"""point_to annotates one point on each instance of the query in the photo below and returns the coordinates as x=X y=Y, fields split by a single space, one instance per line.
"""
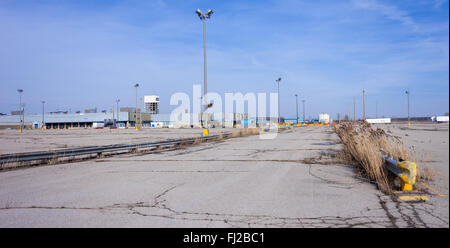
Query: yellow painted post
x=410 y=178
x=406 y=187
x=205 y=132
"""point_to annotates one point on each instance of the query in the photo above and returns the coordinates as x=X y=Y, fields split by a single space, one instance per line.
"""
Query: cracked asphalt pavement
x=240 y=182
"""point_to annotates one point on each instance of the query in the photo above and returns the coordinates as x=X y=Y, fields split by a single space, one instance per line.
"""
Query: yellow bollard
x=205 y=132
x=409 y=178
x=406 y=187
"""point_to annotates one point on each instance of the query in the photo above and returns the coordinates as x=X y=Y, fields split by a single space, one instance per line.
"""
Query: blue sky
x=83 y=54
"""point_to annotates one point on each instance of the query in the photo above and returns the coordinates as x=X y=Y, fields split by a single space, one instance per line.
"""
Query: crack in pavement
x=329 y=181
x=407 y=214
x=234 y=220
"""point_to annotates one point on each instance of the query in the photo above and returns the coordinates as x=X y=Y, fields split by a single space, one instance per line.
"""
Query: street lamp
x=407 y=93
x=364 y=104
x=43 y=120
x=117 y=102
x=203 y=17
x=303 y=101
x=278 y=83
x=296 y=105
x=20 y=108
x=135 y=116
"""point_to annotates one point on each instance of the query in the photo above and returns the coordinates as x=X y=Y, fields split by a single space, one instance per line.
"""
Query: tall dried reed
x=365 y=147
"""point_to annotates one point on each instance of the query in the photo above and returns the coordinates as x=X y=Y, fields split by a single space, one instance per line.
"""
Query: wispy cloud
x=387 y=10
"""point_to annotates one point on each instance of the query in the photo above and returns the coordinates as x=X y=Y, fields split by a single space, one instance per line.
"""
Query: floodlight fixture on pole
x=135 y=116
x=364 y=104
x=20 y=109
x=203 y=17
x=43 y=119
x=407 y=93
x=117 y=102
x=278 y=80
x=303 y=101
x=296 y=106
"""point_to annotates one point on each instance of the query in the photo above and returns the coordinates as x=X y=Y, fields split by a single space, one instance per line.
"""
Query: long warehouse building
x=65 y=121
x=104 y=119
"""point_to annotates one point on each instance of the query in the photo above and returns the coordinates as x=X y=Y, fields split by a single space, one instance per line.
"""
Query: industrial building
x=151 y=104
x=62 y=121
x=124 y=119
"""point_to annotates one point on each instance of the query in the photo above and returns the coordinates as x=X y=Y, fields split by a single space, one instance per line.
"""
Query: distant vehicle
x=440 y=118
x=379 y=120
x=324 y=118
x=98 y=125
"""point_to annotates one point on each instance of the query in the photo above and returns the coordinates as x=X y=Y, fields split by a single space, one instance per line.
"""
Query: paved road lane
x=241 y=182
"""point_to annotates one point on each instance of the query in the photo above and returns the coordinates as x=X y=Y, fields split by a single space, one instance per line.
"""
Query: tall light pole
x=203 y=17
x=117 y=102
x=135 y=117
x=43 y=120
x=303 y=101
x=278 y=84
x=296 y=105
x=376 y=109
x=20 y=109
x=407 y=93
x=140 y=114
x=364 y=105
x=354 y=108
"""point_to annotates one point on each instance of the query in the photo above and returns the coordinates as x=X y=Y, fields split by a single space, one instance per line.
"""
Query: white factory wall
x=64 y=118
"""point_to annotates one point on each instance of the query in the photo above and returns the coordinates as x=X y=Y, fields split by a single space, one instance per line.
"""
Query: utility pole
x=118 y=111
x=303 y=101
x=140 y=114
x=354 y=108
x=203 y=17
x=43 y=120
x=136 y=116
x=364 y=105
x=376 y=109
x=278 y=83
x=407 y=93
x=296 y=105
x=20 y=109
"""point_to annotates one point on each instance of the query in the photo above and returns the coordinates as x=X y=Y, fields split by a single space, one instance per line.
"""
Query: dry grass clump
x=249 y=131
x=196 y=141
x=426 y=173
x=364 y=146
x=244 y=132
x=235 y=133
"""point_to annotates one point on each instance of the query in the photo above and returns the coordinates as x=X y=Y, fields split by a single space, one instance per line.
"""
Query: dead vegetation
x=364 y=146
x=244 y=132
